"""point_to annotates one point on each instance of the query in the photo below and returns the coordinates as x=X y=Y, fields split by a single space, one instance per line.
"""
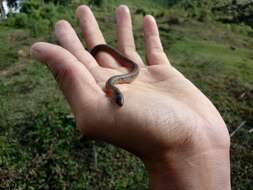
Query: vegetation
x=236 y=12
x=39 y=145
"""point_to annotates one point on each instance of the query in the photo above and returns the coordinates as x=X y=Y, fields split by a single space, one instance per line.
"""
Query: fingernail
x=150 y=17
x=35 y=52
x=124 y=8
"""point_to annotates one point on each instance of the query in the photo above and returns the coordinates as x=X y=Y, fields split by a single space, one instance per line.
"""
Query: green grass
x=39 y=146
x=8 y=44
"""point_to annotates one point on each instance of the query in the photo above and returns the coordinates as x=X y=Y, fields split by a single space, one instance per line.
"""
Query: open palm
x=162 y=110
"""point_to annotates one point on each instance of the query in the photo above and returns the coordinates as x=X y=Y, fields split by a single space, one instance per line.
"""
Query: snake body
x=110 y=88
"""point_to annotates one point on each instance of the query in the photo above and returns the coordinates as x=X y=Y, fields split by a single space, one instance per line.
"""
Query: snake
x=110 y=89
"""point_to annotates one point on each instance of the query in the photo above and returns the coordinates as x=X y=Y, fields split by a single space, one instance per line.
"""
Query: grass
x=39 y=146
x=7 y=50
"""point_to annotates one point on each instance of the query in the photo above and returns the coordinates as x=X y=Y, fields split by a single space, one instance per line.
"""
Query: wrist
x=202 y=171
x=191 y=168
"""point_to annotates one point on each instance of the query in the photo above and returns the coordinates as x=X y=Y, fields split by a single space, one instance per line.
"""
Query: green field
x=39 y=145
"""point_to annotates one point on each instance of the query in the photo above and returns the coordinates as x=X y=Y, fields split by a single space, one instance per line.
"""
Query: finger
x=89 y=27
x=74 y=79
x=70 y=41
x=125 y=34
x=92 y=35
x=153 y=46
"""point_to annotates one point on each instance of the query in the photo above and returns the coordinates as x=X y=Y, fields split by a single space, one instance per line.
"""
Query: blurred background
x=209 y=41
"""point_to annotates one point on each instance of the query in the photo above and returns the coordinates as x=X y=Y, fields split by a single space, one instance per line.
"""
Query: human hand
x=165 y=120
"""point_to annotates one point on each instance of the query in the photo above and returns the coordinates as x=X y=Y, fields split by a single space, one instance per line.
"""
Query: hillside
x=39 y=145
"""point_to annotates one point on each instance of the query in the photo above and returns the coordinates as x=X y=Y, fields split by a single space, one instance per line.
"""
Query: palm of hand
x=162 y=108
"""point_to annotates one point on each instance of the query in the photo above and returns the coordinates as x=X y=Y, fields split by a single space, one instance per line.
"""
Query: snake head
x=119 y=99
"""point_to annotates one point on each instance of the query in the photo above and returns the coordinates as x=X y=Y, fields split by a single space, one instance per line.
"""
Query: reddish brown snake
x=110 y=88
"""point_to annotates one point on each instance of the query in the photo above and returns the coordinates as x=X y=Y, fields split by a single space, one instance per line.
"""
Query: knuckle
x=63 y=73
x=80 y=53
x=129 y=52
x=128 y=49
x=157 y=57
x=62 y=23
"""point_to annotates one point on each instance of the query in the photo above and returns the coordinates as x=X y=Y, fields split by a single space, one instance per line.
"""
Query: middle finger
x=125 y=35
x=93 y=36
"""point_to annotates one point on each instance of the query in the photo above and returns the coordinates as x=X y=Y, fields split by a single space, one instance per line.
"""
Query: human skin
x=166 y=121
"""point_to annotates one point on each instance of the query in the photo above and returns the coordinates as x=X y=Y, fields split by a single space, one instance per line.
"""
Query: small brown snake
x=110 y=88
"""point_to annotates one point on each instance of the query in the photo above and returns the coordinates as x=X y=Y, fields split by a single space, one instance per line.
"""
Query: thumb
x=78 y=85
